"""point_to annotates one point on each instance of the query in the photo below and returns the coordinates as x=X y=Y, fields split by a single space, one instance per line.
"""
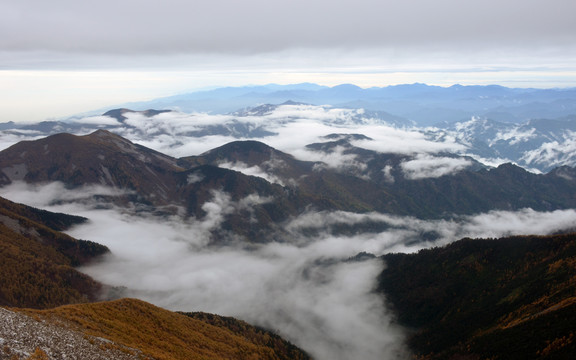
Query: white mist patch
x=195 y=177
x=553 y=153
x=409 y=141
x=515 y=136
x=179 y=145
x=251 y=171
x=407 y=234
x=336 y=159
x=428 y=166
x=309 y=295
x=11 y=137
x=46 y=195
x=97 y=120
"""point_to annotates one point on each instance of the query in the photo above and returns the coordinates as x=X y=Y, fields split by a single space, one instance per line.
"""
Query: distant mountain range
x=533 y=128
x=423 y=104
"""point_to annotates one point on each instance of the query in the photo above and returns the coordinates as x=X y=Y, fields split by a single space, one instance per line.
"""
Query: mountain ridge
x=280 y=186
x=456 y=102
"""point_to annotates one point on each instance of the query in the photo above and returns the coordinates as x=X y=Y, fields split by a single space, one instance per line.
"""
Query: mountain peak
x=242 y=148
x=103 y=134
x=101 y=137
x=291 y=102
x=347 y=87
x=101 y=157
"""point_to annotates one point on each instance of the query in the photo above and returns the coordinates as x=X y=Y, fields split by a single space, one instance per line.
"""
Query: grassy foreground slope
x=509 y=298
x=163 y=334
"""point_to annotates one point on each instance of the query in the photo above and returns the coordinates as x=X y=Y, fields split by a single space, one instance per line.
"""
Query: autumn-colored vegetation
x=511 y=298
x=163 y=334
x=55 y=221
x=38 y=354
x=36 y=262
x=257 y=335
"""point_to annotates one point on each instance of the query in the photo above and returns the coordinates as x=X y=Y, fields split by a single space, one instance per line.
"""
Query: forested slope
x=510 y=298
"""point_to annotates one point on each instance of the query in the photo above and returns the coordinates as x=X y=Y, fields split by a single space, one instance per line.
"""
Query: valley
x=337 y=229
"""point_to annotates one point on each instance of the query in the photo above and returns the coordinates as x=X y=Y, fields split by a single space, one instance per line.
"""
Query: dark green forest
x=509 y=298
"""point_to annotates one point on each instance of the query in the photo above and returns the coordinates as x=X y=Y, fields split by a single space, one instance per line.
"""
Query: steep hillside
x=306 y=182
x=37 y=262
x=510 y=298
x=366 y=180
x=55 y=221
x=507 y=187
x=258 y=336
x=250 y=154
x=100 y=158
x=162 y=334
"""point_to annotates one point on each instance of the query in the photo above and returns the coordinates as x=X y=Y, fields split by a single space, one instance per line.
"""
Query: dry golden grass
x=157 y=332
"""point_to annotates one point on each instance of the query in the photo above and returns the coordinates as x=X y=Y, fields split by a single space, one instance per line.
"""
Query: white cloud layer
x=294 y=126
x=9 y=138
x=97 y=120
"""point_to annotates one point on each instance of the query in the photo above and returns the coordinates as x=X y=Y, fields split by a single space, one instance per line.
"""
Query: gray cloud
x=108 y=30
x=158 y=26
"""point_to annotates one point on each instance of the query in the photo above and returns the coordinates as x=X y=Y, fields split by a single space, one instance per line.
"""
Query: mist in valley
x=315 y=280
x=309 y=286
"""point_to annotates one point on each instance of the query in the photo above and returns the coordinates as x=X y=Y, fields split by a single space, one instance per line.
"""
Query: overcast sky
x=60 y=57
